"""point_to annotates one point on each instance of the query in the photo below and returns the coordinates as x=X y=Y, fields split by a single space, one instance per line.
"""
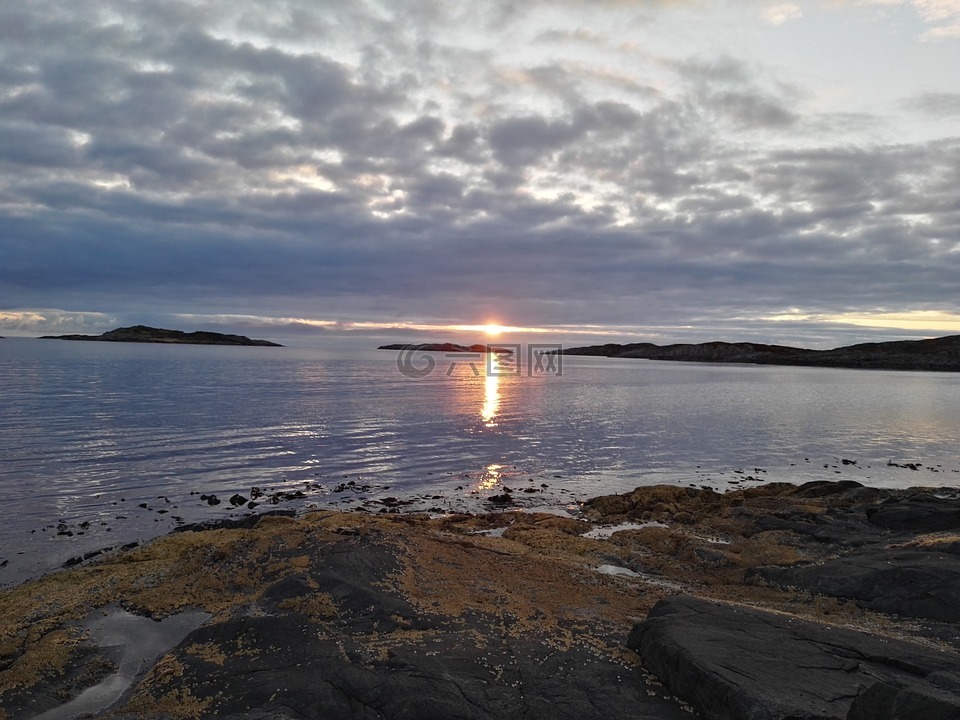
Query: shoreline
x=124 y=519
x=497 y=596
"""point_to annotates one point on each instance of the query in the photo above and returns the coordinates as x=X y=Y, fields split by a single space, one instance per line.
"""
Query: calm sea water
x=102 y=444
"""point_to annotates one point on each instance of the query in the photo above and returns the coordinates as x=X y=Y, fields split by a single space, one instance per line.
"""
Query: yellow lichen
x=208 y=652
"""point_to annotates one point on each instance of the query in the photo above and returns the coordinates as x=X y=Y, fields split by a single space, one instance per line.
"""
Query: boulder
x=737 y=663
x=915 y=583
x=905 y=701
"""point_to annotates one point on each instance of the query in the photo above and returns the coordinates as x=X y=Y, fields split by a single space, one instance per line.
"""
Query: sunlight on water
x=489 y=478
x=491 y=399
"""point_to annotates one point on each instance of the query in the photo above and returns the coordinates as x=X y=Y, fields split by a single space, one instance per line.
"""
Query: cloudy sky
x=610 y=170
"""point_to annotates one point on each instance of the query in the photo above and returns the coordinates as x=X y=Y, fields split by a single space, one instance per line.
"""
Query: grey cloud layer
x=343 y=163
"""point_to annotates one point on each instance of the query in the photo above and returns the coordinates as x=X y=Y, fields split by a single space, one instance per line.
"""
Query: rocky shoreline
x=825 y=600
x=934 y=354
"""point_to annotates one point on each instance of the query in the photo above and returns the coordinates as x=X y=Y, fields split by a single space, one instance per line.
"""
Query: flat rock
x=915 y=583
x=918 y=513
x=398 y=618
x=736 y=663
x=905 y=700
x=369 y=653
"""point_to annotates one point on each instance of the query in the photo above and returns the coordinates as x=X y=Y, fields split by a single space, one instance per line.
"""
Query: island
x=447 y=348
x=144 y=334
x=942 y=354
x=829 y=600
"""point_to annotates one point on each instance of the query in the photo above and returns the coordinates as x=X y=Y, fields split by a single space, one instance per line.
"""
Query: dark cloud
x=940 y=105
x=302 y=161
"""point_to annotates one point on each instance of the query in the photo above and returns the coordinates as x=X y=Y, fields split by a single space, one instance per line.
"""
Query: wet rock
x=246 y=523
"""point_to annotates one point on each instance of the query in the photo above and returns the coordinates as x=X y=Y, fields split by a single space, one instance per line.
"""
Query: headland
x=938 y=354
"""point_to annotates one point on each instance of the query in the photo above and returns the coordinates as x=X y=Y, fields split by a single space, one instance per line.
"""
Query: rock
x=920 y=513
x=915 y=583
x=930 y=354
x=248 y=522
x=905 y=700
x=737 y=663
x=144 y=334
x=446 y=348
x=334 y=640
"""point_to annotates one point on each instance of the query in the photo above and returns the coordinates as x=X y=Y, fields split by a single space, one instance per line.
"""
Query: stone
x=915 y=583
x=737 y=663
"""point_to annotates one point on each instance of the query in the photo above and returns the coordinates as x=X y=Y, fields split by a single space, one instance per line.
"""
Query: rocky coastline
x=144 y=334
x=773 y=601
x=935 y=354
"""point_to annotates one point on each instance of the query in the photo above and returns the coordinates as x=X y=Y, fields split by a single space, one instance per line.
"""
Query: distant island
x=942 y=354
x=144 y=334
x=447 y=347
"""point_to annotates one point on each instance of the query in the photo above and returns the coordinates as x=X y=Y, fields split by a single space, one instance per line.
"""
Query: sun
x=492 y=329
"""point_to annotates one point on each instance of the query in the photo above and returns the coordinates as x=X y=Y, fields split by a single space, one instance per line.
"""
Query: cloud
x=55 y=321
x=301 y=164
x=782 y=13
x=942 y=15
x=937 y=105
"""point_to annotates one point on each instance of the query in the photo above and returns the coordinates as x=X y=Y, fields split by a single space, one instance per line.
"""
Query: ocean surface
x=104 y=444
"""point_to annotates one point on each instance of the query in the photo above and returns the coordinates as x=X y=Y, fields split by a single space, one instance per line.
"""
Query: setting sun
x=492 y=329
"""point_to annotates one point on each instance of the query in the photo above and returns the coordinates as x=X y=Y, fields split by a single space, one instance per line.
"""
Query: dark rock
x=244 y=523
x=915 y=583
x=238 y=499
x=941 y=354
x=921 y=513
x=738 y=663
x=446 y=348
x=144 y=334
x=287 y=667
x=381 y=657
x=904 y=700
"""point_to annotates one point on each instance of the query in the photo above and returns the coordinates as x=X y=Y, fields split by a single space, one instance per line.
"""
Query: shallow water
x=90 y=432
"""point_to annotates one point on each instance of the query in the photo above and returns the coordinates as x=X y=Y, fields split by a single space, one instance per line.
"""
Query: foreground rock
x=738 y=663
x=511 y=615
x=340 y=616
x=144 y=334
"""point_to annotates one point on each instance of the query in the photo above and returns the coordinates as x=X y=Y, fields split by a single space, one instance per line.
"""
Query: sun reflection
x=491 y=399
x=490 y=477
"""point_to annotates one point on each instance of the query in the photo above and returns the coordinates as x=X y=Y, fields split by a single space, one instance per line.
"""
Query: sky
x=578 y=172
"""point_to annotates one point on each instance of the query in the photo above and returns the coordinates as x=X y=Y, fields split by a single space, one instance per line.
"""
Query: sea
x=103 y=445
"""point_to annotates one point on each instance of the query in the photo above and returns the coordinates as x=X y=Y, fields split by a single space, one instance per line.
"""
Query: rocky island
x=829 y=600
x=144 y=334
x=941 y=354
x=446 y=348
